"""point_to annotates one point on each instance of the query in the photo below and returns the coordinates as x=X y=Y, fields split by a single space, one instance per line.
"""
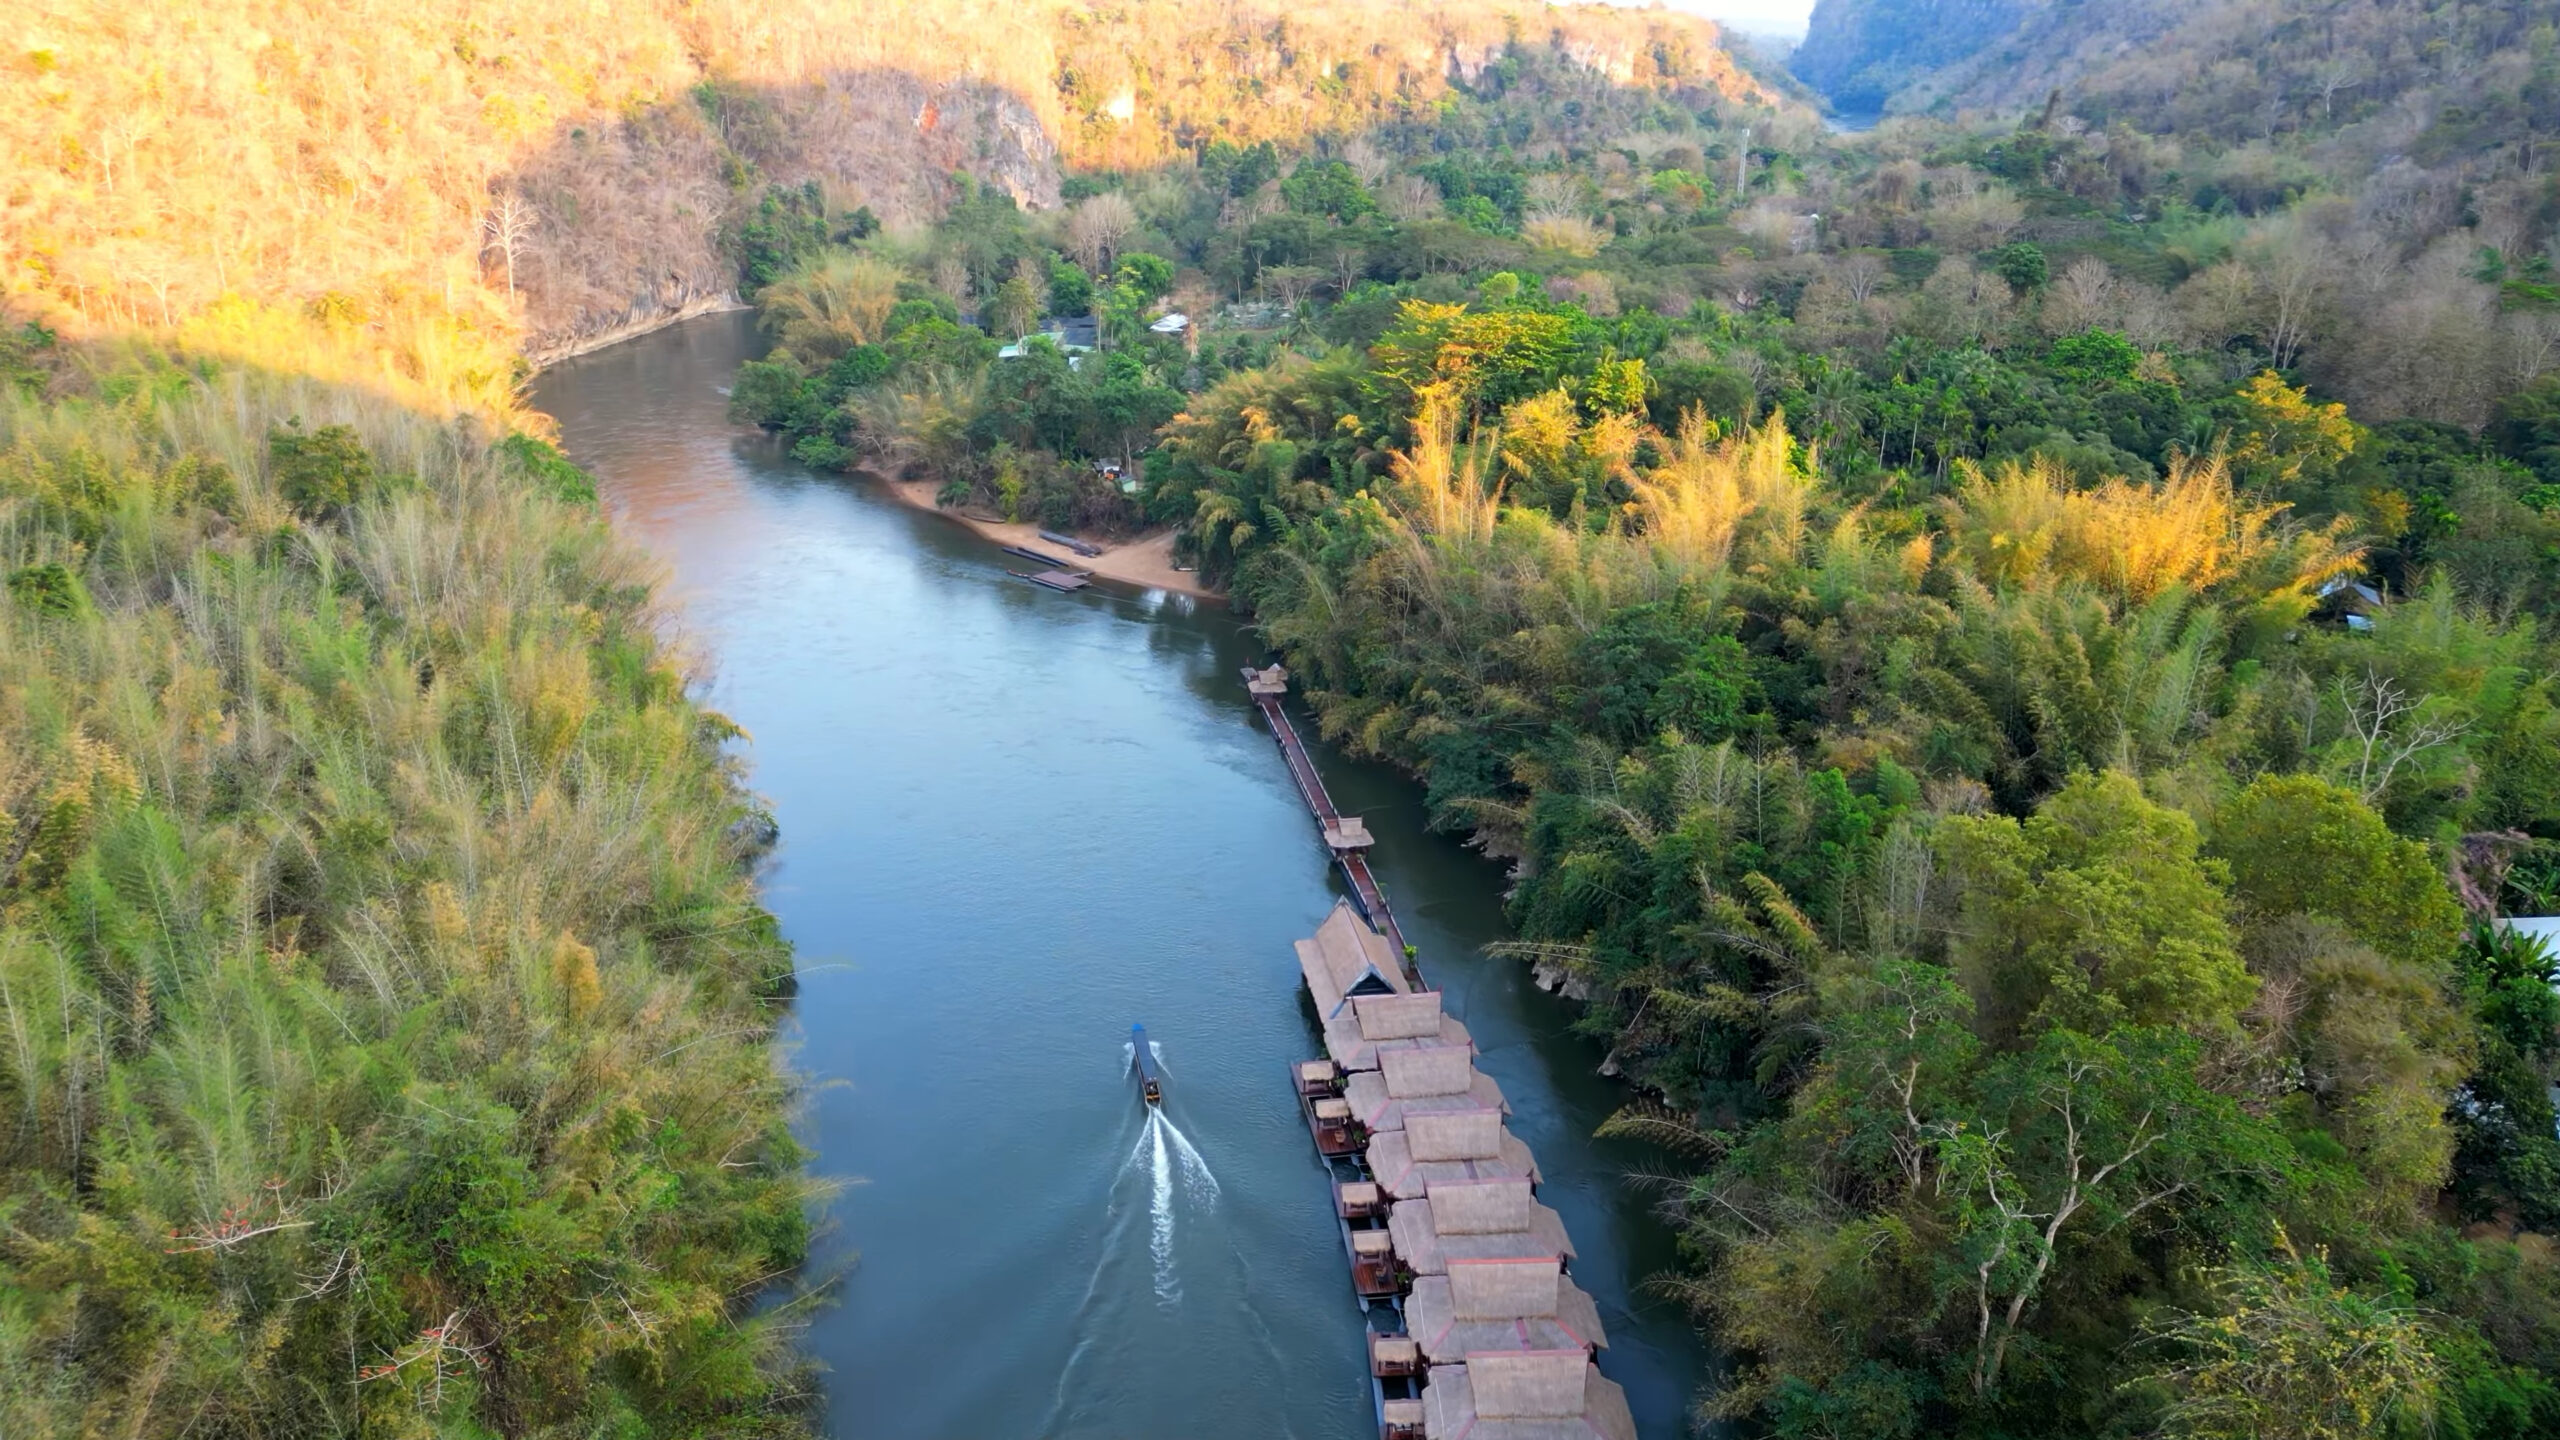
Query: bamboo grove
x=2022 y=780
x=2027 y=910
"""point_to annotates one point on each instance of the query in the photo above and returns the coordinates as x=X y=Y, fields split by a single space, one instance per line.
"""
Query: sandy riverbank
x=1147 y=560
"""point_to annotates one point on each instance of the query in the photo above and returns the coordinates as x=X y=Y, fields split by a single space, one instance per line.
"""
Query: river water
x=1013 y=823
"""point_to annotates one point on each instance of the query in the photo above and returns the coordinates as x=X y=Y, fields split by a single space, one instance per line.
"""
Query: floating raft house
x=1500 y=1340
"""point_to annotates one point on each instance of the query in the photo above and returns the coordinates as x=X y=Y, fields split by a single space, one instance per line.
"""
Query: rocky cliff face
x=453 y=176
x=633 y=213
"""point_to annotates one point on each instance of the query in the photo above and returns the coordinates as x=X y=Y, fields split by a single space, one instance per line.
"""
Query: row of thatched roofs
x=1507 y=1335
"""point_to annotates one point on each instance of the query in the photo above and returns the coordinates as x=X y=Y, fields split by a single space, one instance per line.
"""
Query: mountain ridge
x=638 y=139
x=2230 y=71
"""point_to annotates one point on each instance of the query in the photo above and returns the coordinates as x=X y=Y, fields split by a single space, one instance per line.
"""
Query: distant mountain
x=2462 y=74
x=1862 y=54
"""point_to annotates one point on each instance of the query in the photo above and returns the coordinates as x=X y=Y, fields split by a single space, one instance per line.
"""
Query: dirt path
x=1147 y=560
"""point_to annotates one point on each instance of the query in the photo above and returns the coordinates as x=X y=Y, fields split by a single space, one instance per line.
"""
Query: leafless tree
x=1776 y=226
x=2082 y=297
x=2533 y=345
x=1897 y=184
x=2338 y=72
x=1860 y=274
x=2218 y=304
x=1289 y=284
x=1348 y=262
x=1367 y=161
x=2389 y=728
x=1412 y=198
x=2291 y=264
x=1098 y=227
x=121 y=133
x=508 y=229
x=1561 y=194
x=1977 y=216
x=951 y=277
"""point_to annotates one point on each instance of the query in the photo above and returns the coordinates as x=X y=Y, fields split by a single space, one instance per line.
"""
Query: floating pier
x=1345 y=837
x=1476 y=1329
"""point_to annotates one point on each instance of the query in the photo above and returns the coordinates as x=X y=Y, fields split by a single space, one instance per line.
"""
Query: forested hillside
x=2370 y=77
x=388 y=1008
x=2011 y=658
x=446 y=180
x=1865 y=54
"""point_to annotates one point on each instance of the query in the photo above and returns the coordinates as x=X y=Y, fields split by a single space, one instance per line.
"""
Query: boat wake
x=1173 y=1167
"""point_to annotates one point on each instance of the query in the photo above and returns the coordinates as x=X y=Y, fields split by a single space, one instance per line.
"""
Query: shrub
x=321 y=473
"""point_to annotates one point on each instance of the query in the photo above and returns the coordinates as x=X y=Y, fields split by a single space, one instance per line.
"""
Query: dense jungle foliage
x=2012 y=661
x=366 y=868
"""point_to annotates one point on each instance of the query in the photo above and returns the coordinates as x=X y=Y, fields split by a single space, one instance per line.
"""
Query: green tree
x=2290 y=1352
x=1329 y=188
x=2280 y=436
x=1016 y=306
x=320 y=473
x=1489 y=358
x=2299 y=845
x=50 y=589
x=1140 y=279
x=2507 y=1155
x=1616 y=387
x=2096 y=911
x=2022 y=264
x=1070 y=289
x=2080 y=1133
x=2095 y=357
x=773 y=395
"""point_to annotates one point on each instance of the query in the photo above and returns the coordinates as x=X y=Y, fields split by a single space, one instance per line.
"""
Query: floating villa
x=1477 y=1332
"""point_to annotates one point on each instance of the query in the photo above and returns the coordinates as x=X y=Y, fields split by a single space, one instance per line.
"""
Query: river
x=1014 y=822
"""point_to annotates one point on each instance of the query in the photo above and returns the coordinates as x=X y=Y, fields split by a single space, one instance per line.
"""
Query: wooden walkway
x=1365 y=891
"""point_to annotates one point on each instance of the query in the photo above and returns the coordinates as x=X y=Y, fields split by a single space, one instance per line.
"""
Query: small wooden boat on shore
x=1040 y=557
x=1085 y=548
x=1062 y=580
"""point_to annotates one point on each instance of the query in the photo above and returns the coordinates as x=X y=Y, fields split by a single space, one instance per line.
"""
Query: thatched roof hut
x=1406 y=1176
x=1526 y=1395
x=1459 y=1313
x=1379 y=1110
x=1424 y=1237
